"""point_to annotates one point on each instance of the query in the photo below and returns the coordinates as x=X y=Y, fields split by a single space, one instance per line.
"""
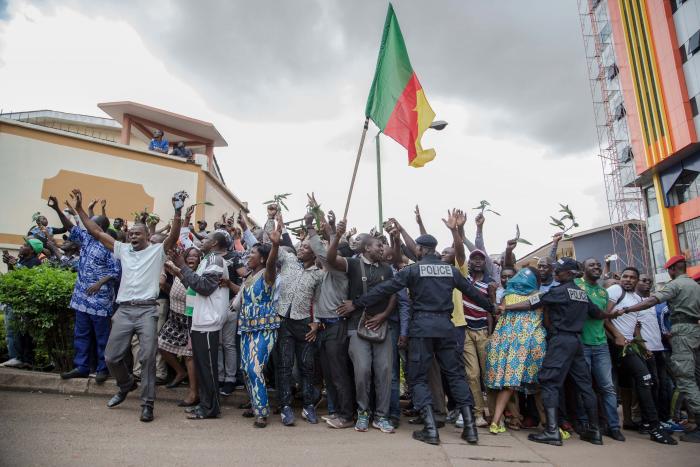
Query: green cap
x=35 y=245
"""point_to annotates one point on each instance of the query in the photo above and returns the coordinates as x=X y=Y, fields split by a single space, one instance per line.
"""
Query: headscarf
x=36 y=245
x=523 y=283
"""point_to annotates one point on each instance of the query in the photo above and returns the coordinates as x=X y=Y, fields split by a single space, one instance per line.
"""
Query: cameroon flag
x=396 y=102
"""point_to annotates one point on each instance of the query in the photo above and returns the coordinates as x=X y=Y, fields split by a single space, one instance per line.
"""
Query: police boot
x=469 y=434
x=429 y=433
x=551 y=434
x=592 y=434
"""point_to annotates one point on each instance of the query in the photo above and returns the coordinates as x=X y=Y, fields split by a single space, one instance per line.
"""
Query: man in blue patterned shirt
x=93 y=296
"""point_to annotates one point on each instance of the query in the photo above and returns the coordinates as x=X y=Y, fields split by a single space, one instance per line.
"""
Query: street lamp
x=438 y=125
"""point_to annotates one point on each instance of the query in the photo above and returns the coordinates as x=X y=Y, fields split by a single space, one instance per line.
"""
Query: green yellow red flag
x=396 y=102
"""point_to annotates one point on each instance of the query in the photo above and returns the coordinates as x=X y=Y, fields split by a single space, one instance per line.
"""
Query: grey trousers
x=228 y=358
x=161 y=367
x=371 y=358
x=143 y=322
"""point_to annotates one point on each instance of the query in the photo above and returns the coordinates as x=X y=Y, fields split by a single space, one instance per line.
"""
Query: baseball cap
x=673 y=260
x=477 y=252
x=566 y=264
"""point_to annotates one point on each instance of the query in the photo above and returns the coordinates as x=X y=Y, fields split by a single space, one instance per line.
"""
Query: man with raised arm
x=141 y=263
x=430 y=283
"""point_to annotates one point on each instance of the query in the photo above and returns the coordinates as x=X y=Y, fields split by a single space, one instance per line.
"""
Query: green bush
x=40 y=299
x=3 y=334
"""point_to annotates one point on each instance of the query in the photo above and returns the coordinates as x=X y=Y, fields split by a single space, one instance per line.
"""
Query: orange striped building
x=657 y=49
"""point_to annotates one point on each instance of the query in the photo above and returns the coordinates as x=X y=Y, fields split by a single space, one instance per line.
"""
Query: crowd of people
x=372 y=322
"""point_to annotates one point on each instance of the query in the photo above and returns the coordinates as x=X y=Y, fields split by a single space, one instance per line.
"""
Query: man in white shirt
x=633 y=366
x=142 y=264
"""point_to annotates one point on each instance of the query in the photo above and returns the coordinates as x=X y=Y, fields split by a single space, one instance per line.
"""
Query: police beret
x=427 y=241
x=566 y=264
x=673 y=260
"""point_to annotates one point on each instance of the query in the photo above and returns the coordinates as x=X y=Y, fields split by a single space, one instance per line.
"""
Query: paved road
x=58 y=430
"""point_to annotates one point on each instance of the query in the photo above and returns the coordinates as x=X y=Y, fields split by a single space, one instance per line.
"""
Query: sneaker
x=480 y=422
x=671 y=427
x=309 y=414
x=691 y=436
x=339 y=423
x=330 y=416
x=362 y=423
x=644 y=429
x=227 y=388
x=14 y=363
x=101 y=377
x=495 y=429
x=564 y=434
x=383 y=424
x=459 y=423
x=287 y=415
x=660 y=436
x=452 y=416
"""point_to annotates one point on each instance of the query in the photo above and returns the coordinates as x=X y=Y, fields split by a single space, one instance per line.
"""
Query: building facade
x=655 y=45
x=45 y=153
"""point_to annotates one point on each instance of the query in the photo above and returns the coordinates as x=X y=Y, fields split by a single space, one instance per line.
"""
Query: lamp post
x=437 y=125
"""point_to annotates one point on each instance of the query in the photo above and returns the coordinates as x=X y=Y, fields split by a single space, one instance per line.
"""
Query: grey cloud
x=302 y=60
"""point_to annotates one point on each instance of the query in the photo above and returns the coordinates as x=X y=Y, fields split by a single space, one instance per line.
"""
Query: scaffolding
x=624 y=199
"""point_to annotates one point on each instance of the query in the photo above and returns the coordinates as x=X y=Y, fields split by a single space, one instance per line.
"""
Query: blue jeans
x=91 y=333
x=394 y=404
x=598 y=360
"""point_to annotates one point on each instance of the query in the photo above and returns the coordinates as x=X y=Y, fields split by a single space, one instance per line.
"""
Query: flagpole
x=379 y=182
x=357 y=163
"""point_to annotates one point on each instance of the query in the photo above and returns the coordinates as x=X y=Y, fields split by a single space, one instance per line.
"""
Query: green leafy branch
x=484 y=206
x=279 y=200
x=565 y=222
x=517 y=236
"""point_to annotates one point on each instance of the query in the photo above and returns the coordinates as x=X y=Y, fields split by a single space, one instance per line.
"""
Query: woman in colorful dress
x=173 y=339
x=516 y=349
x=258 y=322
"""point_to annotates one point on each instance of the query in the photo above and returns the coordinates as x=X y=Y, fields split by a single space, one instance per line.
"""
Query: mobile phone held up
x=180 y=198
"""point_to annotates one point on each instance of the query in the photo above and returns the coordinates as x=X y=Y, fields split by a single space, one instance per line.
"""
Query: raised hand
x=92 y=204
x=352 y=232
x=241 y=221
x=189 y=212
x=52 y=202
x=309 y=220
x=479 y=219
x=71 y=210
x=276 y=235
x=340 y=230
x=78 y=196
x=451 y=221
x=557 y=236
x=419 y=219
x=103 y=204
x=511 y=244
x=461 y=218
x=331 y=218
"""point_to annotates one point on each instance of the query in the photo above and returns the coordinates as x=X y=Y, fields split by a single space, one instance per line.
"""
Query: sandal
x=513 y=424
x=260 y=422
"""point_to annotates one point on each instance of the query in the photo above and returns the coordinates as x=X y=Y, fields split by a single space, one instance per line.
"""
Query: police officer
x=567 y=306
x=430 y=283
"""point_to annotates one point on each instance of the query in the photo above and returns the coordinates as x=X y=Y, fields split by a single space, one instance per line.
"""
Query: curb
x=12 y=379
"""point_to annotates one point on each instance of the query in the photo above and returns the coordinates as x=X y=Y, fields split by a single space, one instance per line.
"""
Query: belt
x=425 y=312
x=331 y=320
x=140 y=302
x=682 y=318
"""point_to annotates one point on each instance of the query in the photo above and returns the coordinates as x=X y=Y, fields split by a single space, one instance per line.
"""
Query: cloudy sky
x=286 y=83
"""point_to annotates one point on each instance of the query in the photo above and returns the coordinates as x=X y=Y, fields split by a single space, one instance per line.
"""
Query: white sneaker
x=459 y=423
x=481 y=422
x=14 y=363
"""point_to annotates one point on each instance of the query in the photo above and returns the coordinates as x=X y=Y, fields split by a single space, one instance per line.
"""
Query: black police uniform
x=568 y=308
x=430 y=283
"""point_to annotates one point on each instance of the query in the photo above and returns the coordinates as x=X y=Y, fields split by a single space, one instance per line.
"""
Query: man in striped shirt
x=477 y=330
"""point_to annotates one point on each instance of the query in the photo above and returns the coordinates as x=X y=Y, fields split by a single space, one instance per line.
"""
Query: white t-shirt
x=140 y=271
x=627 y=322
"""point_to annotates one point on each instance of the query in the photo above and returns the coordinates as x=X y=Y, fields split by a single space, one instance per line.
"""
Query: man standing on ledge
x=683 y=297
x=430 y=283
x=141 y=263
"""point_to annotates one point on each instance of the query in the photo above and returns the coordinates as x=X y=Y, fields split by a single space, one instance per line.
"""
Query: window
x=687 y=187
x=689 y=240
x=612 y=71
x=684 y=53
x=620 y=112
x=694 y=105
x=626 y=155
x=694 y=43
x=656 y=243
x=652 y=206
